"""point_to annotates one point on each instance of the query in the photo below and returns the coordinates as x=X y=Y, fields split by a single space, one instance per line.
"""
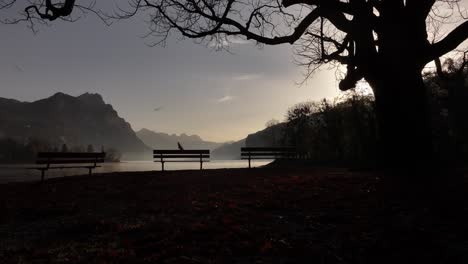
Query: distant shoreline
x=15 y=173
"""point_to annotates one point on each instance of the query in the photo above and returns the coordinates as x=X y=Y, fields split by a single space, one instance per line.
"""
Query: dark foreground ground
x=229 y=216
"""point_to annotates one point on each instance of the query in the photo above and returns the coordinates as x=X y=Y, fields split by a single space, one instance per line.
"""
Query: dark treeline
x=339 y=132
x=448 y=87
x=344 y=131
x=15 y=151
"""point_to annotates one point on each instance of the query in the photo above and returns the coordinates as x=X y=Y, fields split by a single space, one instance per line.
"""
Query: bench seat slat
x=267 y=153
x=195 y=156
x=277 y=149
x=63 y=167
x=266 y=158
x=70 y=155
x=182 y=161
x=178 y=151
x=68 y=161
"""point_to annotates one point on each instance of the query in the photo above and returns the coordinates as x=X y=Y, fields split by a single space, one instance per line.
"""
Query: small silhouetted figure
x=180 y=146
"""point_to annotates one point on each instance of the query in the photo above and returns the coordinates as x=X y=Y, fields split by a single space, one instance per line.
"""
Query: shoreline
x=15 y=173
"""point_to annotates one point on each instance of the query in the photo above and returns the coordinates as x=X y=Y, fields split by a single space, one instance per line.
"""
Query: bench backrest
x=268 y=152
x=181 y=154
x=70 y=157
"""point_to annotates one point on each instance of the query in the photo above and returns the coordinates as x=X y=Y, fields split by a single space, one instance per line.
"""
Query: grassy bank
x=267 y=215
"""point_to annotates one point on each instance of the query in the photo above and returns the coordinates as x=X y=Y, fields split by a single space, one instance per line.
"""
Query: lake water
x=15 y=173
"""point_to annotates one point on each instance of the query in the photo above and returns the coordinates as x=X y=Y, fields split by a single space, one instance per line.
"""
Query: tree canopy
x=355 y=33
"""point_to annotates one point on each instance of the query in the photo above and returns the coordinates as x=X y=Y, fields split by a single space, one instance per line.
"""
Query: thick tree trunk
x=404 y=125
x=403 y=122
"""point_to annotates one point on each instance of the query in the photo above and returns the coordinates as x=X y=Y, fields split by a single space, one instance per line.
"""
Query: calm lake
x=14 y=173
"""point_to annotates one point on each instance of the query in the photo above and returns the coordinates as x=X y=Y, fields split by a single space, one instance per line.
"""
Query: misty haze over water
x=15 y=173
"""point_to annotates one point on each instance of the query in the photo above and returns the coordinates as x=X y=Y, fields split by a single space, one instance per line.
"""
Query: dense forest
x=344 y=131
x=334 y=132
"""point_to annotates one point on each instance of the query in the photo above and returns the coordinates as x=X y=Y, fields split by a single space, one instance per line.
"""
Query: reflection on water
x=12 y=173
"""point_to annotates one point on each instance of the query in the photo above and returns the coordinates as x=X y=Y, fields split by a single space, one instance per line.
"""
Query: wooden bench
x=65 y=159
x=253 y=153
x=175 y=155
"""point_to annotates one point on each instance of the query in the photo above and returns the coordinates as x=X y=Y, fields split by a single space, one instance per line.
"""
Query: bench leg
x=162 y=166
x=201 y=161
x=90 y=170
x=249 y=162
x=42 y=175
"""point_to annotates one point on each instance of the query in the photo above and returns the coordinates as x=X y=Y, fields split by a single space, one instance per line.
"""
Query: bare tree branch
x=449 y=43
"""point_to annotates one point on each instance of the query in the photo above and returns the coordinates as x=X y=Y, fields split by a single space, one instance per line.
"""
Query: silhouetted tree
x=90 y=148
x=271 y=122
x=9 y=150
x=384 y=42
x=449 y=87
x=64 y=148
x=297 y=126
x=339 y=132
x=78 y=148
x=42 y=11
x=113 y=155
x=14 y=150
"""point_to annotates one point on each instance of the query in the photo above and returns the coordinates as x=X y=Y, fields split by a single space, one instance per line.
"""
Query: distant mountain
x=268 y=137
x=158 y=140
x=229 y=150
x=64 y=119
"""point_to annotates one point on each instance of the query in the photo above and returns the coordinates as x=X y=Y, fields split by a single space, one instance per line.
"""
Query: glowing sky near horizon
x=195 y=90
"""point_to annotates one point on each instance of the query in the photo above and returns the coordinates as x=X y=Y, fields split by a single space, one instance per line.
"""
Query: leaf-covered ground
x=228 y=216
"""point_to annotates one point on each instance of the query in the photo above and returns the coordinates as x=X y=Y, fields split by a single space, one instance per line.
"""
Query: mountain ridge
x=161 y=140
x=64 y=119
x=88 y=120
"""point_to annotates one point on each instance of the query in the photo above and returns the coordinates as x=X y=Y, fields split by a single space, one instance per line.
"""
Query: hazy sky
x=217 y=95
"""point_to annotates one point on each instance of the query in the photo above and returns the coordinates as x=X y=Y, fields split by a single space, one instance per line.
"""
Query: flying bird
x=180 y=146
x=157 y=109
x=19 y=68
